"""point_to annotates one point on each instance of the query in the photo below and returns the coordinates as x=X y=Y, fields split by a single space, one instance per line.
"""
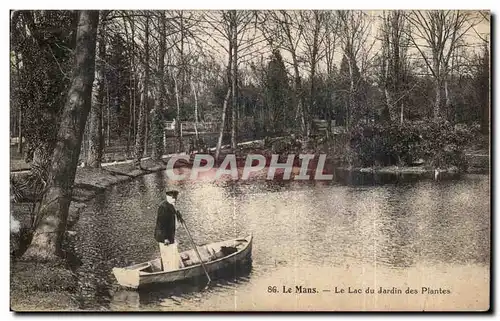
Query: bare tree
x=436 y=34
x=161 y=100
x=20 y=116
x=486 y=17
x=353 y=34
x=314 y=38
x=226 y=32
x=129 y=20
x=221 y=130
x=180 y=43
x=143 y=112
x=331 y=39
x=233 y=22
x=231 y=31
x=393 y=61
x=195 y=95
x=181 y=50
x=96 y=138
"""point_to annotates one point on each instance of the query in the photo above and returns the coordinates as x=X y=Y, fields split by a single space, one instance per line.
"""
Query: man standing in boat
x=165 y=232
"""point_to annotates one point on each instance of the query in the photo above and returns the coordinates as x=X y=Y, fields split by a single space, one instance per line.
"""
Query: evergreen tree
x=118 y=80
x=278 y=94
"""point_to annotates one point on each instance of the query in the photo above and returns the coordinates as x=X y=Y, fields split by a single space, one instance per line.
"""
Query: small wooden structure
x=190 y=128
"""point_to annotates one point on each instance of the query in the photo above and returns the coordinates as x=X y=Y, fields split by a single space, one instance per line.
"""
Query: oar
x=195 y=248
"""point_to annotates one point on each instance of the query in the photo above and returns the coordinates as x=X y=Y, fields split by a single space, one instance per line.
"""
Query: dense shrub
x=439 y=144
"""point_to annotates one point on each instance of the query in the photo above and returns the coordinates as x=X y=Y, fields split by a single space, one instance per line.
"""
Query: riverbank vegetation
x=437 y=145
x=53 y=285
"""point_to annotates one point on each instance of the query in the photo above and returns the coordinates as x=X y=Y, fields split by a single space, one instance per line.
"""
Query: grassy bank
x=51 y=286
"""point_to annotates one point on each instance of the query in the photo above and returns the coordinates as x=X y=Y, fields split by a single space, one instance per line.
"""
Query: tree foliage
x=42 y=42
x=438 y=143
x=278 y=94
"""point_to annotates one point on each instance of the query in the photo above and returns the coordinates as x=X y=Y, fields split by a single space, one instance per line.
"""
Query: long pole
x=195 y=248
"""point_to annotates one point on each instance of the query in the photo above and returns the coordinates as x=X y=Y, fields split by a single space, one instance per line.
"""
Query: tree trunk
x=388 y=78
x=130 y=109
x=20 y=132
x=234 y=82
x=437 y=101
x=95 y=142
x=223 y=123
x=134 y=98
x=134 y=108
x=51 y=223
x=157 y=131
x=437 y=84
x=310 y=109
x=350 y=108
x=20 y=117
x=140 y=136
x=485 y=92
x=299 y=113
x=130 y=88
x=178 y=125
x=179 y=92
x=108 y=127
x=391 y=108
x=402 y=113
x=85 y=140
x=449 y=112
x=195 y=110
x=146 y=130
x=314 y=56
x=157 y=128
x=397 y=77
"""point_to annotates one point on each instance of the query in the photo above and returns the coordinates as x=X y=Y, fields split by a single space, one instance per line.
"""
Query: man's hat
x=172 y=193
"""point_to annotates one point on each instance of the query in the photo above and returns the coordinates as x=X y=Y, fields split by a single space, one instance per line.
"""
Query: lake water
x=319 y=235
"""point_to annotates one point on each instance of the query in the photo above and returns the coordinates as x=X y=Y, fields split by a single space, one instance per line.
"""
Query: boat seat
x=191 y=258
x=147 y=268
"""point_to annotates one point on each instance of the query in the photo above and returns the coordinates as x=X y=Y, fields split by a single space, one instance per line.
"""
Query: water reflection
x=177 y=294
x=296 y=225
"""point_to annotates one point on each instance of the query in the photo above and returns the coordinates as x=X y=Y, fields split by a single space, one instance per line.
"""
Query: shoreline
x=52 y=287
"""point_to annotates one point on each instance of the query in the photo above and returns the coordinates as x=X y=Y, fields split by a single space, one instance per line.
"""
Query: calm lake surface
x=321 y=235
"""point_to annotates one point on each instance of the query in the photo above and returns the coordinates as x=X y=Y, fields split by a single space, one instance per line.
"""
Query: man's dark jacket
x=165 y=223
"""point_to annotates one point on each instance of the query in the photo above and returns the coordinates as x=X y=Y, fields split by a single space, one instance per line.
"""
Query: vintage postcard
x=250 y=160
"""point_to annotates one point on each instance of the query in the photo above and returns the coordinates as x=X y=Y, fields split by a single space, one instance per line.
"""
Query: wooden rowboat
x=215 y=256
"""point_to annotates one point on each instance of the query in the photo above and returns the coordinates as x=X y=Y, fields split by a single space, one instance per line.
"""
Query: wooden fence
x=188 y=127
